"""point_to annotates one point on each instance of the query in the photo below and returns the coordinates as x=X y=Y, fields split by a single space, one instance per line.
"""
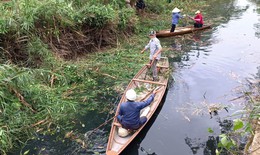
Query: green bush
x=125 y=17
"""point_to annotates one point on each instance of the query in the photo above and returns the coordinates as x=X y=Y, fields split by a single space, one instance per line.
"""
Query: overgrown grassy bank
x=61 y=59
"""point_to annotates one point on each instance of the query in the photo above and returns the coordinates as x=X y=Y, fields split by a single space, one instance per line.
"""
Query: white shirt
x=154 y=45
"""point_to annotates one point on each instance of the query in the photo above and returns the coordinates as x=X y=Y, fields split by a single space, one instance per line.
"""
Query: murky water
x=214 y=70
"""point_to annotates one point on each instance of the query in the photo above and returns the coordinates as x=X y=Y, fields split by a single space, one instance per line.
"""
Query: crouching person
x=129 y=112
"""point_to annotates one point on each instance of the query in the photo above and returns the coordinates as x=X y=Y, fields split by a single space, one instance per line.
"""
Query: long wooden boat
x=180 y=31
x=143 y=85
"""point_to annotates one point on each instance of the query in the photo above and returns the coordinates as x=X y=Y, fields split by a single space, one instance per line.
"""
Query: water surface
x=214 y=69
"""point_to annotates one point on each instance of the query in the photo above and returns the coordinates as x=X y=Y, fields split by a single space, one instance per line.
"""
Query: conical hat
x=197 y=12
x=176 y=10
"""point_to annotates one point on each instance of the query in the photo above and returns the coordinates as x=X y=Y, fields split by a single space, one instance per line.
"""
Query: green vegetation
x=40 y=90
x=243 y=127
x=61 y=58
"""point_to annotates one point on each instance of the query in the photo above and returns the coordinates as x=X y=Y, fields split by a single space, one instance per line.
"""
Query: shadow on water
x=134 y=147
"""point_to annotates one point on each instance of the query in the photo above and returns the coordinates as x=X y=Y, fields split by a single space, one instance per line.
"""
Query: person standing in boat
x=198 y=19
x=155 y=53
x=129 y=111
x=176 y=15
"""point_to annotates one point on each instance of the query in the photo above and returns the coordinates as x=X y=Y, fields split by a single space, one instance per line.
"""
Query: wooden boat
x=143 y=85
x=180 y=31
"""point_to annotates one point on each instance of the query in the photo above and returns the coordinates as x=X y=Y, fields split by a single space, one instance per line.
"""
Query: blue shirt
x=175 y=18
x=129 y=112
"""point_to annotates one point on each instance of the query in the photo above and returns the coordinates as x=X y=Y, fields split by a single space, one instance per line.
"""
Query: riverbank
x=255 y=146
x=254 y=142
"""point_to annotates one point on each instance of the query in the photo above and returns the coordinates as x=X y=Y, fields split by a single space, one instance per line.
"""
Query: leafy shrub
x=98 y=15
x=125 y=17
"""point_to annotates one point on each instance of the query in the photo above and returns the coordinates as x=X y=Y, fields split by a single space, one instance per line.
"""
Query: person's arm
x=143 y=104
x=193 y=18
x=197 y=18
x=145 y=48
x=120 y=112
x=149 y=100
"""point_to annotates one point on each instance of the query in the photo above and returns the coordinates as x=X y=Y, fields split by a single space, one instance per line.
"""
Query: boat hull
x=144 y=86
x=180 y=31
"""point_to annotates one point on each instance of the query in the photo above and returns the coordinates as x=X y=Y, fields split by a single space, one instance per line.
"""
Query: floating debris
x=200 y=109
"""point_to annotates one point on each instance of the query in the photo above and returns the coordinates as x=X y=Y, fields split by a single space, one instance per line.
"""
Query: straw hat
x=176 y=10
x=131 y=95
x=198 y=11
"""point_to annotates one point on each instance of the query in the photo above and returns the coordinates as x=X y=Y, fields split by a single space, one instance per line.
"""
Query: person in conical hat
x=176 y=10
x=198 y=19
x=129 y=111
x=176 y=15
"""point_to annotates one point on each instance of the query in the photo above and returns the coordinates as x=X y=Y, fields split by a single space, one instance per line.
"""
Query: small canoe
x=180 y=31
x=143 y=85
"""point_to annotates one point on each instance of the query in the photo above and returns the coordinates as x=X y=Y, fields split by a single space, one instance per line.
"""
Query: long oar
x=103 y=124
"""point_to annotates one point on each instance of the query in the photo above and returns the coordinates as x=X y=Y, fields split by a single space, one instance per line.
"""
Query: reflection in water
x=258 y=74
x=257 y=30
x=209 y=147
x=225 y=125
x=176 y=45
x=197 y=37
x=143 y=150
x=194 y=144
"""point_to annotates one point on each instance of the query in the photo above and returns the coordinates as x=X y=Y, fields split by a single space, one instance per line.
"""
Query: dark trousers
x=173 y=27
x=196 y=25
x=135 y=127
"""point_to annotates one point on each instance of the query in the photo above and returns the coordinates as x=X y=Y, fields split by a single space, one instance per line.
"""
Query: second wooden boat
x=143 y=85
x=180 y=31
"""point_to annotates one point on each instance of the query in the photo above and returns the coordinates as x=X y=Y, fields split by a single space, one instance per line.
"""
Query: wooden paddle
x=189 y=16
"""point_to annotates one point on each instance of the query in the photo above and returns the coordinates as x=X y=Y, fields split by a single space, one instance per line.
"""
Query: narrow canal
x=213 y=70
